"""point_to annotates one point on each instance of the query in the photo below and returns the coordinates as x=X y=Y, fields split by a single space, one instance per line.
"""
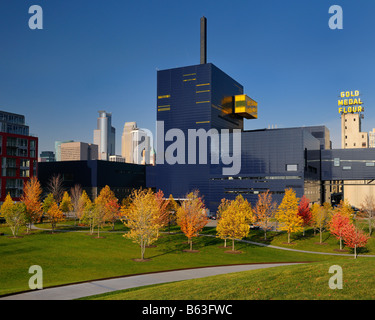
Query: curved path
x=81 y=290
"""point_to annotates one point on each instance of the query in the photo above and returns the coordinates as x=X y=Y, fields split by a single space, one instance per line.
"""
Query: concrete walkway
x=86 y=289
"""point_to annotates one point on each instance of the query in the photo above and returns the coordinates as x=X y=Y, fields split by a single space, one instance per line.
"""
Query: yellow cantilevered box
x=245 y=106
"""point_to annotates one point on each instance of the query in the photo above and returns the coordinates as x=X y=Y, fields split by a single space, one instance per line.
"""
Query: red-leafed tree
x=337 y=224
x=354 y=238
x=304 y=212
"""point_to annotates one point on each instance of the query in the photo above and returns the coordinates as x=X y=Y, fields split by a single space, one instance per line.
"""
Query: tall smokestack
x=203 y=40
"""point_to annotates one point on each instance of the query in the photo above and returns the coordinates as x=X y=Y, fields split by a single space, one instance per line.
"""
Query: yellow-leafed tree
x=287 y=214
x=14 y=214
x=235 y=220
x=140 y=217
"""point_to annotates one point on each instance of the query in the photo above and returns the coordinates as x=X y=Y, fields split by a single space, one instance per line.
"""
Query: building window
x=336 y=162
x=292 y=167
x=347 y=168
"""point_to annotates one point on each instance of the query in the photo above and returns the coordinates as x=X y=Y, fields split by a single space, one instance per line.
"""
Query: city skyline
x=105 y=57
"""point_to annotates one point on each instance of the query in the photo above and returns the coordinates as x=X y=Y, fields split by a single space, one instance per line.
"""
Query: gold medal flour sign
x=350 y=102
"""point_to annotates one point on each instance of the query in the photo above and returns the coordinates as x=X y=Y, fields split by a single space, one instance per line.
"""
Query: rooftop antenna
x=203 y=40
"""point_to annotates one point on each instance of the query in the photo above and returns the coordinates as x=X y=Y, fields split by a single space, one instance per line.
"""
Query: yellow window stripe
x=190 y=79
x=164 y=109
x=202 y=84
x=190 y=74
x=203 y=102
x=203 y=91
x=165 y=96
x=202 y=122
x=167 y=105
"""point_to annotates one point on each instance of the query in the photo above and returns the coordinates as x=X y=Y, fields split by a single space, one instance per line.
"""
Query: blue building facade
x=204 y=97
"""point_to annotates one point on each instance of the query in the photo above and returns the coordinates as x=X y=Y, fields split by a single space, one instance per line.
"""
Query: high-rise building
x=352 y=136
x=47 y=156
x=136 y=145
x=104 y=136
x=127 y=144
x=371 y=139
x=78 y=151
x=18 y=154
x=58 y=148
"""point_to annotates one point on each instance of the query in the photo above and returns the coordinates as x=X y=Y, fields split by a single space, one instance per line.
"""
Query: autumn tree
x=224 y=204
x=304 y=212
x=320 y=218
x=368 y=210
x=83 y=202
x=235 y=220
x=287 y=213
x=191 y=216
x=47 y=202
x=75 y=194
x=162 y=218
x=344 y=208
x=314 y=211
x=98 y=217
x=112 y=209
x=14 y=214
x=66 y=203
x=354 y=238
x=172 y=208
x=107 y=203
x=264 y=211
x=139 y=216
x=55 y=215
x=337 y=224
x=31 y=197
x=56 y=187
x=89 y=215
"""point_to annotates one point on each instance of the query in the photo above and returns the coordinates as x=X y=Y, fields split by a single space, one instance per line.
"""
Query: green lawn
x=296 y=282
x=68 y=257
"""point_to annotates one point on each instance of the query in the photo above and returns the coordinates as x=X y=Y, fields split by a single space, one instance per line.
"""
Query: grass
x=70 y=257
x=296 y=282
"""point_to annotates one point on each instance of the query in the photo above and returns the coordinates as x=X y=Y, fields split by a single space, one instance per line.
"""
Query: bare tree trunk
x=232 y=244
x=191 y=244
x=288 y=237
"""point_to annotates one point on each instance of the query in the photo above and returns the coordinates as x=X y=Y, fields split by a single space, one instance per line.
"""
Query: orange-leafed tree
x=191 y=216
x=112 y=209
x=337 y=225
x=235 y=220
x=354 y=238
x=162 y=217
x=107 y=204
x=304 y=212
x=264 y=211
x=32 y=199
x=287 y=213
x=55 y=215
x=139 y=216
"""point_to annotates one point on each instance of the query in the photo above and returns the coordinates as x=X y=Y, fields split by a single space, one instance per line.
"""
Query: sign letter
x=36 y=280
x=36 y=21
x=336 y=21
x=335 y=282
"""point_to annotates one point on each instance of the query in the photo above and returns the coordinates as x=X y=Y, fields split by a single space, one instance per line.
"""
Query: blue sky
x=103 y=55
